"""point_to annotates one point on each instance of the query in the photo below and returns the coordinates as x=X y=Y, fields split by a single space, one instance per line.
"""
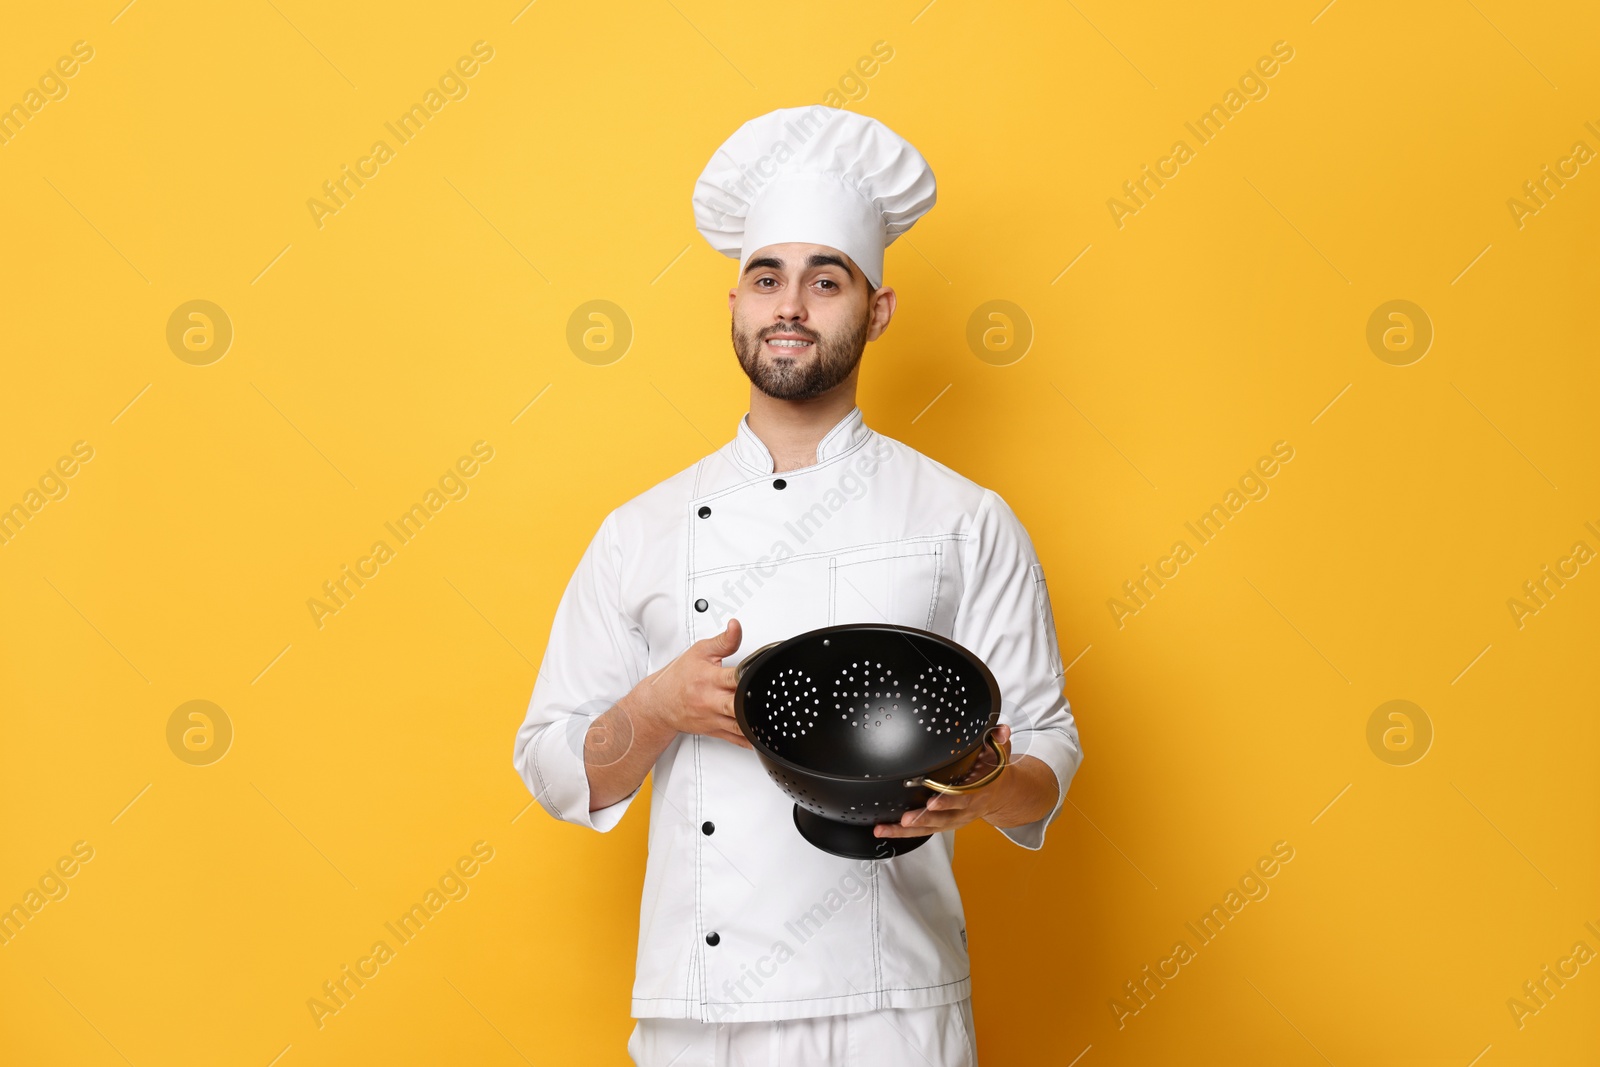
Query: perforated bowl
x=860 y=723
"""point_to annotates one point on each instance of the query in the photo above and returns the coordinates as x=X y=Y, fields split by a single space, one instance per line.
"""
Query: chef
x=754 y=945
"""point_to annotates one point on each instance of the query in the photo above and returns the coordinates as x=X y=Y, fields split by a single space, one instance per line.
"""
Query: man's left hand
x=947 y=811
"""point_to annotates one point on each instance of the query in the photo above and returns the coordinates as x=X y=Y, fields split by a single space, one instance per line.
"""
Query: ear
x=882 y=305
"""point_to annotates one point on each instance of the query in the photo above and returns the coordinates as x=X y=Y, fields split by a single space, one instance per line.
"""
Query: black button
x=701 y=605
x=707 y=828
x=712 y=939
x=779 y=484
x=705 y=512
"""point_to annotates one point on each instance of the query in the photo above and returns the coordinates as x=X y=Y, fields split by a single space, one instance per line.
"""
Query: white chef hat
x=819 y=175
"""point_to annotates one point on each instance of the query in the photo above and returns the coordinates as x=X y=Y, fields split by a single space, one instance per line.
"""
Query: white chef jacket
x=741 y=918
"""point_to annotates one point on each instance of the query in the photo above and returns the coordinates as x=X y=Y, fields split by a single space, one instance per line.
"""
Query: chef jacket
x=741 y=918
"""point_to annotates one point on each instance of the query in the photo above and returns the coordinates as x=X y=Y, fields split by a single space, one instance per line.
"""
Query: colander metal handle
x=969 y=787
x=738 y=670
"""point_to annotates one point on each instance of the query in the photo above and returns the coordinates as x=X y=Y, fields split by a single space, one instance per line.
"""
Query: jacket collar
x=845 y=434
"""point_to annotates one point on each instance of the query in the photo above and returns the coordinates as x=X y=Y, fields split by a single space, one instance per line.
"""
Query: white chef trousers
x=940 y=1036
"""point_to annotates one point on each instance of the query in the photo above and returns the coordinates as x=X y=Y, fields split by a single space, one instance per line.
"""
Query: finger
x=717 y=722
x=978 y=770
x=727 y=731
x=933 y=821
x=915 y=817
x=728 y=678
x=889 y=829
x=726 y=643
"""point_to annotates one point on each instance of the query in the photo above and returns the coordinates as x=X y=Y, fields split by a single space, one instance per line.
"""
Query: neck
x=792 y=429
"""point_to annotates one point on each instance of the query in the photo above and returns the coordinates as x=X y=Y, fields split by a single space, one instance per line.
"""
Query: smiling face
x=802 y=315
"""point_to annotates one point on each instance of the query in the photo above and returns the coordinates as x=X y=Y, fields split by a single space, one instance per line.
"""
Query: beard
x=832 y=360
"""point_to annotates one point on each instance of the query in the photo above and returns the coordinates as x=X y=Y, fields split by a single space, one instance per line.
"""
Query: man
x=754 y=945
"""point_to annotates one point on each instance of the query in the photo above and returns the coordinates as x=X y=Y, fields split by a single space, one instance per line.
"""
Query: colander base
x=850 y=840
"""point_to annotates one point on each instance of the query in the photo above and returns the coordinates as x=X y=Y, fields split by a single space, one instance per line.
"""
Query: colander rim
x=858 y=627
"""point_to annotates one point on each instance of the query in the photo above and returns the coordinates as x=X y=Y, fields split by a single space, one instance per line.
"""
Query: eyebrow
x=817 y=259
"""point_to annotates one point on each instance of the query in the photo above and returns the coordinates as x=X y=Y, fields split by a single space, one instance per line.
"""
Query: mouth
x=787 y=344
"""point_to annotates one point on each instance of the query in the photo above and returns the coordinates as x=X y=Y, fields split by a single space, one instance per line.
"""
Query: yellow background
x=1229 y=313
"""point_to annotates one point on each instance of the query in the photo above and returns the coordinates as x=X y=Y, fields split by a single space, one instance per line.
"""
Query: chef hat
x=819 y=175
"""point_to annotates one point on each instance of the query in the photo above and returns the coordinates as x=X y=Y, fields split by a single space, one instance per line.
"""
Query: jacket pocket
x=897 y=583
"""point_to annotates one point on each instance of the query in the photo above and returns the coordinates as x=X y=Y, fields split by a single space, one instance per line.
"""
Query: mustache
x=800 y=331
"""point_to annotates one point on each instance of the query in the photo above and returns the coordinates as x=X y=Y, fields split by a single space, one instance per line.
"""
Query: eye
x=828 y=281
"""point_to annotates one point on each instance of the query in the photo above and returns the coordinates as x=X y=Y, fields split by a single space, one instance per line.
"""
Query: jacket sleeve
x=595 y=656
x=1005 y=620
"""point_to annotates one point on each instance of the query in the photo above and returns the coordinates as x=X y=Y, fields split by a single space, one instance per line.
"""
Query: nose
x=791 y=307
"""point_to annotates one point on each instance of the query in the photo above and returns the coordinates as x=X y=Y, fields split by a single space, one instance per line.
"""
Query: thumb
x=727 y=642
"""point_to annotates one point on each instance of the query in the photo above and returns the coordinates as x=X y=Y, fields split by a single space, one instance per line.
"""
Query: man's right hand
x=694 y=693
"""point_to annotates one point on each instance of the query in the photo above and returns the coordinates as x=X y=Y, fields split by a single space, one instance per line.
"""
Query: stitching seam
x=699 y=869
x=757 y=565
x=1041 y=604
x=765 y=475
x=538 y=772
x=833 y=579
x=840 y=996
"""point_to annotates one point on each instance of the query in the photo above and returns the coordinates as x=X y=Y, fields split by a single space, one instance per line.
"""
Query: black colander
x=860 y=723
